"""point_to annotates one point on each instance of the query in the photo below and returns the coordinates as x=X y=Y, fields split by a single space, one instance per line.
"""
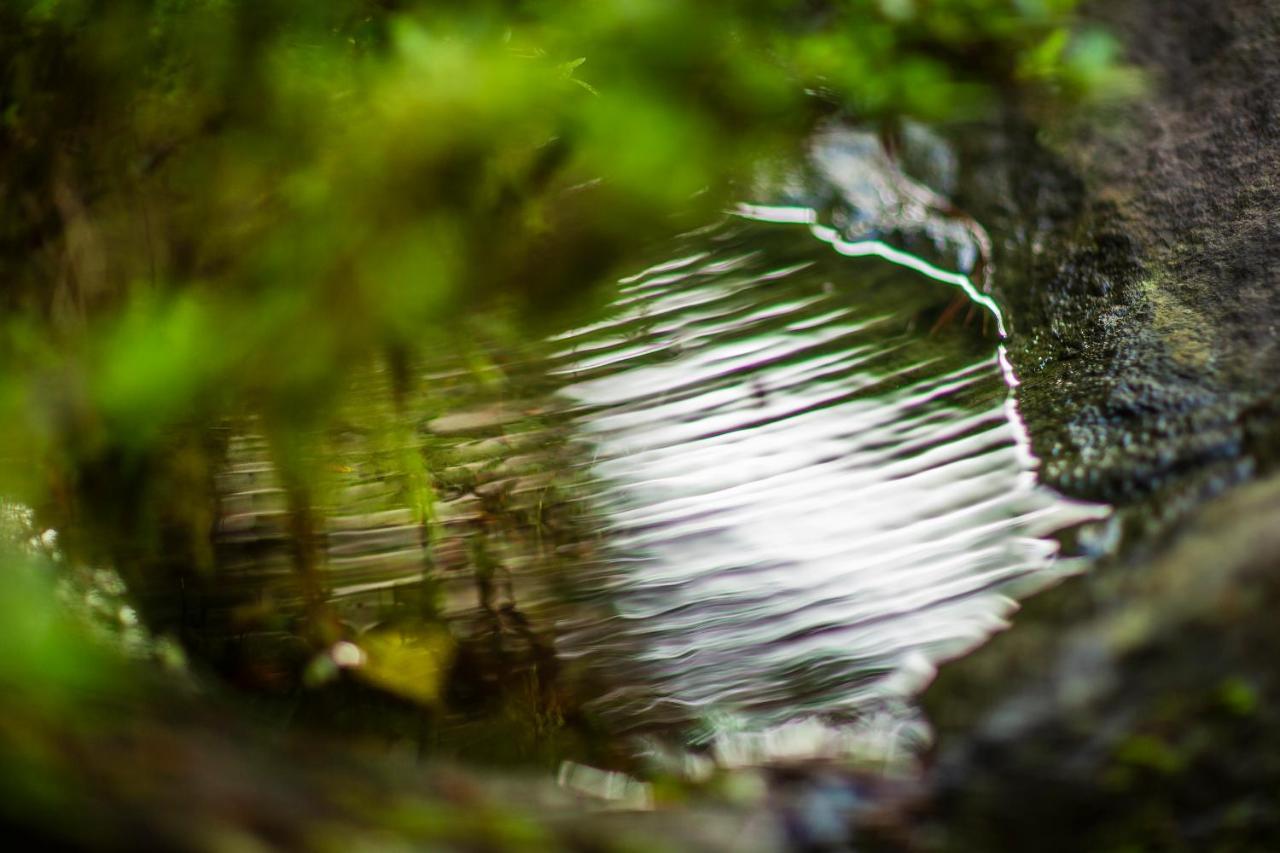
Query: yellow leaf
x=410 y=661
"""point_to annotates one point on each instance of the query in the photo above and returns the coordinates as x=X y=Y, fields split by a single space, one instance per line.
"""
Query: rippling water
x=813 y=476
x=807 y=469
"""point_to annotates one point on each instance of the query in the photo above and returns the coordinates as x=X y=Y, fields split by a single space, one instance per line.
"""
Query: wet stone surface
x=1134 y=708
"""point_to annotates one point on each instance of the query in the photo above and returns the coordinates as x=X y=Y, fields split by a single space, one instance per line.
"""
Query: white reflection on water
x=812 y=498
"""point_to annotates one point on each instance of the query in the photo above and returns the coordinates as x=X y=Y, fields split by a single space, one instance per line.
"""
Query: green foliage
x=219 y=208
x=210 y=201
x=217 y=212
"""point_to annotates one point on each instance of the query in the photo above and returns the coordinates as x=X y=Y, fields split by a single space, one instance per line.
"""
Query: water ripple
x=815 y=487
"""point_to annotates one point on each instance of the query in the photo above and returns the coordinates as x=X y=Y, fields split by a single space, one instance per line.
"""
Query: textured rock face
x=1139 y=256
x=1153 y=722
x=1141 y=263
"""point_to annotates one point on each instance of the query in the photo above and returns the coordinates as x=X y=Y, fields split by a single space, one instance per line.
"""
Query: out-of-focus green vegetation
x=214 y=207
x=213 y=210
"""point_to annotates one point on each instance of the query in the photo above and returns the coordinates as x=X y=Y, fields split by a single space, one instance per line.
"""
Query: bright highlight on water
x=813 y=495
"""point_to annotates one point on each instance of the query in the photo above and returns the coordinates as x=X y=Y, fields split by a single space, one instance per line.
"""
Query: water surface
x=754 y=506
x=813 y=476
